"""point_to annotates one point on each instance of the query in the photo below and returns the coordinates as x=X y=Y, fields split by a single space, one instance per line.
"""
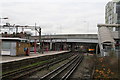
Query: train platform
x=5 y=59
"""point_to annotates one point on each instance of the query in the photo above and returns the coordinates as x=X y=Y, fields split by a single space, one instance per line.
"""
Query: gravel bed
x=84 y=68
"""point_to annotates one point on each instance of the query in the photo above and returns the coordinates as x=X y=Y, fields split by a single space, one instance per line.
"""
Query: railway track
x=64 y=71
x=21 y=73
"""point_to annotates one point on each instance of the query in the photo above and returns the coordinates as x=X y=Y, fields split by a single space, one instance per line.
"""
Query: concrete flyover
x=67 y=41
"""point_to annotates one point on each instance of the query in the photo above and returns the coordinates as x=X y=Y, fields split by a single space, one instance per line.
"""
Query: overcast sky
x=55 y=16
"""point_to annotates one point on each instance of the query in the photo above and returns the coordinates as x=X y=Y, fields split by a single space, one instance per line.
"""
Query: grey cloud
x=52 y=13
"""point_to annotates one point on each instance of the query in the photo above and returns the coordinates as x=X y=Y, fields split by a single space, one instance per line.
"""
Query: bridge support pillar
x=50 y=46
x=72 y=47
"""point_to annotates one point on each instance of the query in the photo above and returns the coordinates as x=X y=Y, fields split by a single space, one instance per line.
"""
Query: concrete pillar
x=113 y=45
x=73 y=47
x=101 y=49
x=65 y=46
x=50 y=45
x=96 y=49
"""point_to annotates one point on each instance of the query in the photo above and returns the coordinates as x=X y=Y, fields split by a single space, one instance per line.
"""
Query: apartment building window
x=118 y=12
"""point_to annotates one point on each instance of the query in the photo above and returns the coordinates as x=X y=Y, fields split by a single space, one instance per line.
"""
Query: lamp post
x=40 y=41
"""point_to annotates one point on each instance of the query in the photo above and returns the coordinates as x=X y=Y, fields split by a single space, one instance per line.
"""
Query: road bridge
x=67 y=41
